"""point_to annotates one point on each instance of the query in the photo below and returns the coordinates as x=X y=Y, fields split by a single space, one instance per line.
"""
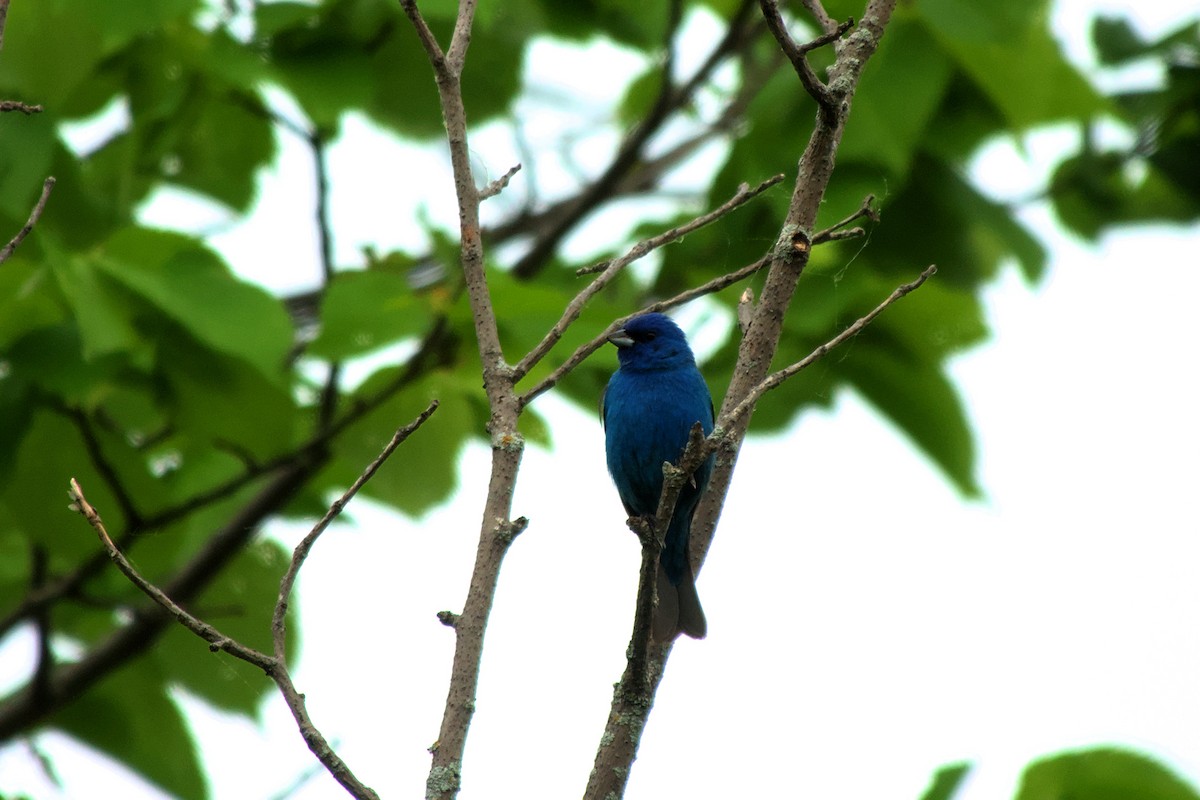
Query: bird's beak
x=620 y=338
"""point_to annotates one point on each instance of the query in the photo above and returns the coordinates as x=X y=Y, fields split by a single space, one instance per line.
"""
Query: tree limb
x=611 y=269
x=274 y=667
x=614 y=756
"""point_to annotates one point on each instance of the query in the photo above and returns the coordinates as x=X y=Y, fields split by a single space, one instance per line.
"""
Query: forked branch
x=275 y=665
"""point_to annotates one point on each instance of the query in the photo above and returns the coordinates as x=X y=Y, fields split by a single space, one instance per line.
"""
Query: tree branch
x=7 y=251
x=834 y=231
x=497 y=526
x=17 y=105
x=499 y=185
x=610 y=270
x=279 y=617
x=22 y=710
x=798 y=53
x=615 y=754
x=585 y=350
x=773 y=380
x=275 y=668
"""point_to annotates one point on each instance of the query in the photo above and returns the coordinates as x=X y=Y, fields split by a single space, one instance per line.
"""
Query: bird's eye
x=648 y=336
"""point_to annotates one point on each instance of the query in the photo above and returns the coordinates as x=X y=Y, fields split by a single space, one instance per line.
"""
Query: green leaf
x=192 y=285
x=976 y=235
x=88 y=32
x=131 y=717
x=1116 y=41
x=25 y=161
x=27 y=301
x=1102 y=774
x=901 y=89
x=920 y=400
x=1008 y=51
x=213 y=399
x=946 y=782
x=363 y=311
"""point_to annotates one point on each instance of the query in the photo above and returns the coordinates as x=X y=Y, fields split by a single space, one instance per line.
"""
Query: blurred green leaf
x=194 y=287
x=946 y=782
x=131 y=717
x=1102 y=774
x=1010 y=54
x=363 y=311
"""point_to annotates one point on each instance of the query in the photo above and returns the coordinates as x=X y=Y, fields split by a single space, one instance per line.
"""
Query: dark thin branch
x=574 y=308
x=829 y=37
x=279 y=617
x=330 y=392
x=427 y=355
x=34 y=216
x=45 y=654
x=108 y=472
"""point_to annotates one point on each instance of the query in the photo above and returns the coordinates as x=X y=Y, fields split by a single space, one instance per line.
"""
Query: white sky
x=854 y=646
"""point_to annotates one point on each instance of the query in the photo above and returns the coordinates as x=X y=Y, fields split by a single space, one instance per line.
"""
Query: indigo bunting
x=648 y=410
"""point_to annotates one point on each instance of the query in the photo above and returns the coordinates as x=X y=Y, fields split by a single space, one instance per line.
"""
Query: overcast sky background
x=866 y=624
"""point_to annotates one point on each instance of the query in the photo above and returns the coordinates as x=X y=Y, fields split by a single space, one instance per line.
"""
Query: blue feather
x=648 y=409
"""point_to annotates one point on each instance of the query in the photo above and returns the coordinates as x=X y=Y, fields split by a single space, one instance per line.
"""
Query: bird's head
x=652 y=342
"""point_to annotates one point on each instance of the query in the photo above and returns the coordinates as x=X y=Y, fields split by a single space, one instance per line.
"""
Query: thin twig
x=216 y=639
x=274 y=668
x=585 y=350
x=815 y=7
x=743 y=195
x=34 y=216
x=17 y=105
x=798 y=53
x=279 y=617
x=432 y=49
x=776 y=378
x=834 y=231
x=499 y=185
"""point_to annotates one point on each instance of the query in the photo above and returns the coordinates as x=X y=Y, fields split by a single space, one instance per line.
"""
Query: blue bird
x=648 y=409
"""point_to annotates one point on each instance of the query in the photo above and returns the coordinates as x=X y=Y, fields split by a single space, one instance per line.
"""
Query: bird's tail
x=678 y=608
